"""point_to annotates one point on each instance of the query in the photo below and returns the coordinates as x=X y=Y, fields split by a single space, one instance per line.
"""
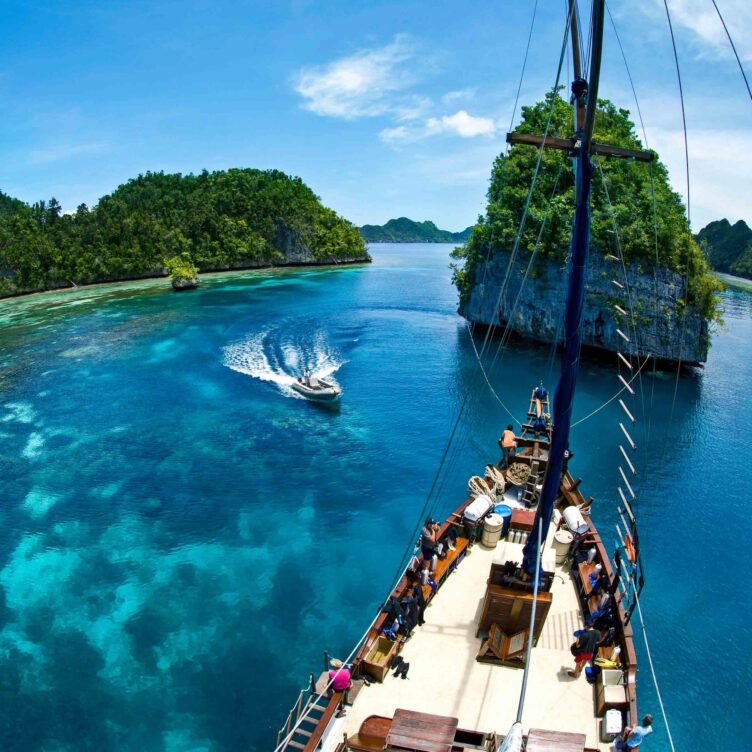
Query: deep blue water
x=182 y=537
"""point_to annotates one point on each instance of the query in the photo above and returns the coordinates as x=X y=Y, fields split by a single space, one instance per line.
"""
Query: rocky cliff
x=659 y=327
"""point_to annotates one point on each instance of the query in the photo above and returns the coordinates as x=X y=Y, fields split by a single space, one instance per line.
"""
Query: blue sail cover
x=564 y=395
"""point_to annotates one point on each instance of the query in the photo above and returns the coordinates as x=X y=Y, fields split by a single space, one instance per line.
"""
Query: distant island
x=404 y=230
x=234 y=219
x=728 y=247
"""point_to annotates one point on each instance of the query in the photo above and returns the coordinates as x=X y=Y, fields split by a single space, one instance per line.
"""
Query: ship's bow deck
x=444 y=677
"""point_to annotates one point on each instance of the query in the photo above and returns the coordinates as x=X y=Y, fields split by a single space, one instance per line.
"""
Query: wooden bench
x=541 y=740
x=444 y=567
x=371 y=734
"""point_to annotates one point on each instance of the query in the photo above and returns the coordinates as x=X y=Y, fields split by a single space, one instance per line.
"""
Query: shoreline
x=738 y=283
x=72 y=287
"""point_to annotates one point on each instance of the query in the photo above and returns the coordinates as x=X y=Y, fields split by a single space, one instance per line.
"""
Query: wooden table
x=540 y=740
x=522 y=519
x=422 y=732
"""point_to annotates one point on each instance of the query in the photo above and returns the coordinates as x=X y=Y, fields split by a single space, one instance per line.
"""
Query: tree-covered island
x=239 y=218
x=636 y=217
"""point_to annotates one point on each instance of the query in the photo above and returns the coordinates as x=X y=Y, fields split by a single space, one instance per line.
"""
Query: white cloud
x=458 y=95
x=362 y=84
x=394 y=135
x=463 y=124
x=701 y=19
x=460 y=124
x=719 y=177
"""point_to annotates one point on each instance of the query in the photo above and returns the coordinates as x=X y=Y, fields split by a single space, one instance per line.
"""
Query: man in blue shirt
x=632 y=738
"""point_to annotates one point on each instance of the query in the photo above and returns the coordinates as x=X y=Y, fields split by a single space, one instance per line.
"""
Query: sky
x=384 y=109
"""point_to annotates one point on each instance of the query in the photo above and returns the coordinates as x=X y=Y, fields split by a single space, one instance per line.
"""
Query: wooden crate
x=379 y=658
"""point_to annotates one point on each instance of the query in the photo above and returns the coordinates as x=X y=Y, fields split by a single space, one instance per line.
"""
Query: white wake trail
x=263 y=357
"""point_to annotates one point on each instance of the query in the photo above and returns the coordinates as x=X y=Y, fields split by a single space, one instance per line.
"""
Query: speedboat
x=317 y=390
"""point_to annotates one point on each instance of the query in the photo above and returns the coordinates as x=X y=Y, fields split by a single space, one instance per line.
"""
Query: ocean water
x=183 y=536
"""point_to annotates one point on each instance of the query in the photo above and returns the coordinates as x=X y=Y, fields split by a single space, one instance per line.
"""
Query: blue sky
x=383 y=108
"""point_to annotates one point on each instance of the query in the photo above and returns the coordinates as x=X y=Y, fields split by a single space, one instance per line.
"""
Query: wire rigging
x=652 y=669
x=733 y=47
x=681 y=97
x=524 y=65
x=689 y=205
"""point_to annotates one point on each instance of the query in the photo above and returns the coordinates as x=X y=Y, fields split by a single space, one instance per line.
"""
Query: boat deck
x=445 y=679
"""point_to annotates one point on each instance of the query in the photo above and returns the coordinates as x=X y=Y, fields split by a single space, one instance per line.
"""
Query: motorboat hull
x=319 y=391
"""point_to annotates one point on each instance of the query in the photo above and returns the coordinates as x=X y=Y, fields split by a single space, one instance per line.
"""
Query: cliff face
x=661 y=330
x=296 y=253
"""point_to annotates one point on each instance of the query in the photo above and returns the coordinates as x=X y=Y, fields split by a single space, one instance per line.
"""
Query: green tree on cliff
x=633 y=205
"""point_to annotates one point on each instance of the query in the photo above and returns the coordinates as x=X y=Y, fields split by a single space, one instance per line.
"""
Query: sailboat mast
x=582 y=91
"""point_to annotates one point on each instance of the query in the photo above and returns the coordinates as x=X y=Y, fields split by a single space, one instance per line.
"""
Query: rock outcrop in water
x=661 y=328
x=666 y=287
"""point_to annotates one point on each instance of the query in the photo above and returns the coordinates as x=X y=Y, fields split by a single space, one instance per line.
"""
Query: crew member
x=632 y=737
x=508 y=444
x=584 y=649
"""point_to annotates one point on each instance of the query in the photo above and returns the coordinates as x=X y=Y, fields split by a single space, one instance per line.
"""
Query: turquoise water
x=183 y=537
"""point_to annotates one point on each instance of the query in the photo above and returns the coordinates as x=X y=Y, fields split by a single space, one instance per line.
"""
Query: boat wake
x=280 y=359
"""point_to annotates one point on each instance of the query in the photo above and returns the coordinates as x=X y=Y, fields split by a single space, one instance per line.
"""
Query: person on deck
x=508 y=444
x=339 y=676
x=632 y=737
x=428 y=538
x=585 y=648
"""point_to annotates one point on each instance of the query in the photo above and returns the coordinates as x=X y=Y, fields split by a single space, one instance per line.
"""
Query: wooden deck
x=446 y=679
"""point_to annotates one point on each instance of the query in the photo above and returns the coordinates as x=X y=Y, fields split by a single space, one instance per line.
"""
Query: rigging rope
x=681 y=97
x=507 y=333
x=490 y=386
x=733 y=47
x=436 y=486
x=531 y=629
x=649 y=415
x=652 y=667
x=522 y=74
x=618 y=394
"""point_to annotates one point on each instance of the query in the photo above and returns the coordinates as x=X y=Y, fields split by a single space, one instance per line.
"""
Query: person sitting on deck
x=632 y=737
x=339 y=676
x=428 y=538
x=584 y=648
x=508 y=444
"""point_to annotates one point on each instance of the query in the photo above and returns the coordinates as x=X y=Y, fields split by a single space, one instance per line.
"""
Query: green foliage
x=404 y=230
x=241 y=217
x=181 y=268
x=634 y=208
x=728 y=247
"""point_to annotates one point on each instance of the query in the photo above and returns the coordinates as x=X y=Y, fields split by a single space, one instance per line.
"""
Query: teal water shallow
x=182 y=536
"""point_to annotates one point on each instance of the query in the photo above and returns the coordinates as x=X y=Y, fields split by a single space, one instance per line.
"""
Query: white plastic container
x=478 y=508
x=575 y=521
x=611 y=725
x=492 y=530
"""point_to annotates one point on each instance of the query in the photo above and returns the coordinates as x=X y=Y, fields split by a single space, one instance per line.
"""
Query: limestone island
x=157 y=223
x=642 y=249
